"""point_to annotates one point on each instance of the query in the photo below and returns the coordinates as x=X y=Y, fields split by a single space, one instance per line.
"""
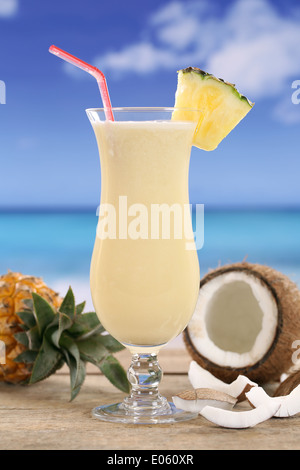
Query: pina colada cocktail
x=144 y=274
x=145 y=279
x=144 y=282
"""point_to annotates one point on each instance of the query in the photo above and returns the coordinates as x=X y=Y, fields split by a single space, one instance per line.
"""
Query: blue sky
x=47 y=149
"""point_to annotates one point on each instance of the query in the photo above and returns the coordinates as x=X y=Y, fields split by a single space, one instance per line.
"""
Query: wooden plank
x=41 y=417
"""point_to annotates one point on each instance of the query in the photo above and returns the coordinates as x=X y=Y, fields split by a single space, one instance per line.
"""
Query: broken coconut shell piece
x=289 y=405
x=240 y=419
x=201 y=378
x=195 y=400
x=245 y=322
x=288 y=384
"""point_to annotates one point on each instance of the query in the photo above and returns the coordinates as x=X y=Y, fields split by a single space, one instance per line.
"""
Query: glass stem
x=144 y=375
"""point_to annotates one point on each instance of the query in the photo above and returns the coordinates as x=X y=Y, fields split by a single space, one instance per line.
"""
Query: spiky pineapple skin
x=207 y=76
x=14 y=289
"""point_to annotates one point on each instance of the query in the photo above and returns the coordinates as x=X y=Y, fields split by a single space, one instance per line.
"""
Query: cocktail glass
x=144 y=274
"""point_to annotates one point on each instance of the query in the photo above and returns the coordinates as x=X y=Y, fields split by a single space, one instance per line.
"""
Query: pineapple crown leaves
x=67 y=336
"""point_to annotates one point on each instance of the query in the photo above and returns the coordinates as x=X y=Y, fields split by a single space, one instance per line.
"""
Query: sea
x=57 y=244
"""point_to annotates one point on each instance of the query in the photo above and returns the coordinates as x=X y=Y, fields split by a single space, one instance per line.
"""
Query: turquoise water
x=58 y=246
x=48 y=245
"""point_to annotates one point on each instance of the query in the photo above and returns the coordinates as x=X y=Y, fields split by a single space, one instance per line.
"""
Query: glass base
x=144 y=405
x=118 y=413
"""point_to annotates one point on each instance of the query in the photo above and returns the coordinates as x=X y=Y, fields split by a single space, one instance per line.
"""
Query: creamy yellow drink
x=144 y=271
x=144 y=279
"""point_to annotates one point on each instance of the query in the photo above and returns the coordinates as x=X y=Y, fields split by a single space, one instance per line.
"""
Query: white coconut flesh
x=235 y=320
x=200 y=378
x=289 y=405
x=240 y=419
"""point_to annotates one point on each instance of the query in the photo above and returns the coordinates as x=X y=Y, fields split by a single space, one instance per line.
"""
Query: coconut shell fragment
x=288 y=385
x=240 y=419
x=289 y=405
x=245 y=323
x=195 y=400
x=199 y=377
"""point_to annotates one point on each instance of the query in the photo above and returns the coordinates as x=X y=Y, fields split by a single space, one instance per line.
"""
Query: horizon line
x=93 y=209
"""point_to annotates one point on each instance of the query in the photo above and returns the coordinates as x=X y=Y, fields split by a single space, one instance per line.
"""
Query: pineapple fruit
x=220 y=107
x=42 y=332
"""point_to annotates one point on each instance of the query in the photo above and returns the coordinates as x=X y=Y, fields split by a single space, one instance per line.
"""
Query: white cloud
x=178 y=23
x=261 y=66
x=168 y=13
x=74 y=72
x=141 y=58
x=179 y=34
x=261 y=52
x=251 y=43
x=8 y=8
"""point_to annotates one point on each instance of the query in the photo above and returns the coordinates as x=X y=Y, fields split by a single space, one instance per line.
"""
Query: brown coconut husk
x=288 y=385
x=278 y=359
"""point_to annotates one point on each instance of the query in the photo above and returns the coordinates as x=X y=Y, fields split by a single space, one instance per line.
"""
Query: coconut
x=289 y=405
x=200 y=378
x=195 y=400
x=288 y=384
x=240 y=419
x=246 y=320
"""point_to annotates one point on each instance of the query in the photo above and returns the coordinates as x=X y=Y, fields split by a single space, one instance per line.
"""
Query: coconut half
x=195 y=400
x=240 y=419
x=289 y=405
x=245 y=322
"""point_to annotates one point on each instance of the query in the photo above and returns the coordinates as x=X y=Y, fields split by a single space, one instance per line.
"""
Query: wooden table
x=41 y=417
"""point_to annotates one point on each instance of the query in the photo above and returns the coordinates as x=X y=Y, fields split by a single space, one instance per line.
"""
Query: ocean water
x=58 y=246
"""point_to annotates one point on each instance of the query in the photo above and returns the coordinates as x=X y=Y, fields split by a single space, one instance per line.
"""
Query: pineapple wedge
x=221 y=106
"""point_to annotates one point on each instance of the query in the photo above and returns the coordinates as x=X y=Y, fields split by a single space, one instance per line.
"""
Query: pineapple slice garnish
x=220 y=104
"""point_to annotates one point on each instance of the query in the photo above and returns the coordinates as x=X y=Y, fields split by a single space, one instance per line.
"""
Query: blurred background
x=50 y=172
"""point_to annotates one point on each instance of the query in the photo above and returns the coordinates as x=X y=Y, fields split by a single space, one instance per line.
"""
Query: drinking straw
x=96 y=73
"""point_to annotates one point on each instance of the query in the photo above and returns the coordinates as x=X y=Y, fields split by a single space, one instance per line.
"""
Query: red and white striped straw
x=96 y=73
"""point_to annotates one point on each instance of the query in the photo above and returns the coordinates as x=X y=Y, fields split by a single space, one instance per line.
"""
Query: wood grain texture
x=41 y=417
